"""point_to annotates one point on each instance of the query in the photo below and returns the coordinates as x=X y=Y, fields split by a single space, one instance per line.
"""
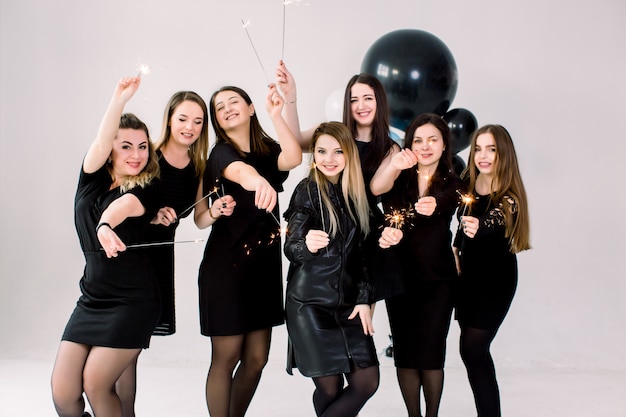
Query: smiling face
x=428 y=146
x=329 y=158
x=186 y=123
x=231 y=110
x=485 y=153
x=363 y=104
x=130 y=152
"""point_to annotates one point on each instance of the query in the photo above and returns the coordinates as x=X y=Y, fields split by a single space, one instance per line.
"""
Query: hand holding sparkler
x=426 y=205
x=470 y=225
x=316 y=240
x=390 y=236
x=265 y=196
x=126 y=89
x=286 y=83
x=110 y=241
x=274 y=102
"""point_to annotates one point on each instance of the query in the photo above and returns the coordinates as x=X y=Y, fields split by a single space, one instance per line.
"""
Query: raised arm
x=291 y=154
x=390 y=169
x=287 y=85
x=101 y=147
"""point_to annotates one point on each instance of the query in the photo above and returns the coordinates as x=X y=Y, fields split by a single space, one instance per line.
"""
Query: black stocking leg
x=432 y=381
x=126 y=388
x=362 y=384
x=254 y=355
x=475 y=344
x=327 y=390
x=410 y=383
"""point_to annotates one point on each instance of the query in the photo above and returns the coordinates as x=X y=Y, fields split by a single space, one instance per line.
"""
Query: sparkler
x=245 y=24
x=428 y=178
x=466 y=199
x=214 y=191
x=142 y=70
x=397 y=218
x=145 y=245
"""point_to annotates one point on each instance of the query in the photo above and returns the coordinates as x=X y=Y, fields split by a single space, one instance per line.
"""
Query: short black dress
x=177 y=189
x=383 y=265
x=420 y=317
x=240 y=279
x=119 y=305
x=488 y=268
x=323 y=289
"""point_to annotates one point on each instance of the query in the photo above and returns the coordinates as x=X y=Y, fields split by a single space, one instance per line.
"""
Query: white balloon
x=334 y=105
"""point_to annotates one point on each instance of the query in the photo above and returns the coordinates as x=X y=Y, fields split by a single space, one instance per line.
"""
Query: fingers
x=226 y=205
x=390 y=237
x=470 y=225
x=265 y=196
x=316 y=240
x=426 y=206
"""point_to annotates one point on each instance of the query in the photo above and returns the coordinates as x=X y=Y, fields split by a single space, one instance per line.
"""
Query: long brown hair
x=352 y=184
x=507 y=181
x=259 y=140
x=151 y=170
x=381 y=143
x=199 y=150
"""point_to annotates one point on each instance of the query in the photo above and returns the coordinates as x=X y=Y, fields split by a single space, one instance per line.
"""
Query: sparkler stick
x=214 y=191
x=245 y=27
x=467 y=199
x=282 y=53
x=145 y=245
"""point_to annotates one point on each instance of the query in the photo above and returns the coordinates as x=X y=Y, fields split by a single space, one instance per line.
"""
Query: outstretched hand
x=286 y=82
x=126 y=88
x=274 y=102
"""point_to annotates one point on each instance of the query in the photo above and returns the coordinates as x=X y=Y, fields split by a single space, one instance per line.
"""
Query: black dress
x=119 y=305
x=323 y=289
x=420 y=317
x=240 y=280
x=178 y=188
x=488 y=268
x=383 y=265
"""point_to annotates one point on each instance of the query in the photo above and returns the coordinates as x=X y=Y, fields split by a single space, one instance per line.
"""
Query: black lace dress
x=488 y=268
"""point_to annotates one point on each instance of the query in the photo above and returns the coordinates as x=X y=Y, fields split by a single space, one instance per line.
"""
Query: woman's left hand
x=226 y=205
x=363 y=311
x=166 y=216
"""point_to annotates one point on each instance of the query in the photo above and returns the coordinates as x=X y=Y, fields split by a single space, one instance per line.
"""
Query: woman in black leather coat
x=328 y=294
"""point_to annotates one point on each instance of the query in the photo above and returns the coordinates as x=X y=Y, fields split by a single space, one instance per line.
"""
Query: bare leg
x=67 y=379
x=103 y=368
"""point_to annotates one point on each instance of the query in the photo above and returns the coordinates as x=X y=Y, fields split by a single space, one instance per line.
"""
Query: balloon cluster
x=419 y=75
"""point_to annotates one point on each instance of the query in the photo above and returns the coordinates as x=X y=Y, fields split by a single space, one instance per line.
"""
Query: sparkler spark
x=397 y=218
x=143 y=69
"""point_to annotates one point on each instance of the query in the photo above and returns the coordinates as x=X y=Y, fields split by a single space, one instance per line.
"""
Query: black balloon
x=462 y=124
x=458 y=164
x=417 y=70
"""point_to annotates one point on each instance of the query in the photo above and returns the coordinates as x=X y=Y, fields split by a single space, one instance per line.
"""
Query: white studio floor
x=170 y=388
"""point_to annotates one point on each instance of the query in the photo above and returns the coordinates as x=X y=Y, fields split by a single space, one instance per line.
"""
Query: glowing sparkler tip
x=143 y=69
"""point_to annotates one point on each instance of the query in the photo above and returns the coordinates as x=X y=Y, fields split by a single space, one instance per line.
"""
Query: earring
x=109 y=161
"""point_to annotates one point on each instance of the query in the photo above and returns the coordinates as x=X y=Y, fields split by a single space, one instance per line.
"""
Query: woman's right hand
x=110 y=241
x=126 y=88
x=316 y=240
x=390 y=237
x=265 y=195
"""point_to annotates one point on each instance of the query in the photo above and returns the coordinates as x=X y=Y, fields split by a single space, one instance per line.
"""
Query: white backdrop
x=551 y=72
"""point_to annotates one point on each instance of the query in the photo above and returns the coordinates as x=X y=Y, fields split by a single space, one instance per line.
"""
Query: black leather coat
x=323 y=289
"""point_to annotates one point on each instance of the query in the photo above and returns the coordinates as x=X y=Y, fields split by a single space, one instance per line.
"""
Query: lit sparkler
x=143 y=69
x=397 y=218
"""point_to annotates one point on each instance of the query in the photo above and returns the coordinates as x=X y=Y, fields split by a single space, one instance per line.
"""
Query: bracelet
x=103 y=224
x=293 y=101
x=211 y=214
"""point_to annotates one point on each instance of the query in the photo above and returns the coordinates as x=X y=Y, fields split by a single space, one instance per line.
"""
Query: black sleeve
x=301 y=217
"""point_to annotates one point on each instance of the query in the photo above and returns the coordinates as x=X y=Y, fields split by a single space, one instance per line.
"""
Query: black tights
x=474 y=347
x=236 y=366
x=412 y=381
x=331 y=398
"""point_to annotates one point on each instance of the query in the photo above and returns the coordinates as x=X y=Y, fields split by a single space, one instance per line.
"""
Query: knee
x=66 y=400
x=255 y=363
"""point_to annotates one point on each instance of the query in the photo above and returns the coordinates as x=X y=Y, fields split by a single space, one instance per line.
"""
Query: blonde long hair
x=352 y=184
x=507 y=181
